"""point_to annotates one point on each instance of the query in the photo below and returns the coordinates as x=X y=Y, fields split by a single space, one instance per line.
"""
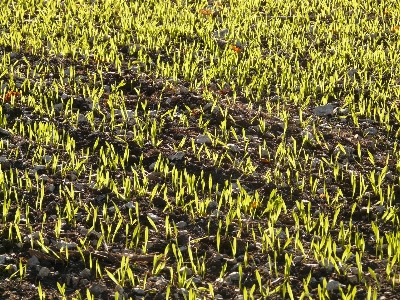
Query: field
x=199 y=150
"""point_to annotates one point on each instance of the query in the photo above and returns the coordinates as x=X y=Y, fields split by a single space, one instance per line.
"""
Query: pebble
x=188 y=271
x=138 y=291
x=78 y=187
x=233 y=147
x=352 y=73
x=315 y=162
x=183 y=238
x=234 y=276
x=371 y=131
x=327 y=265
x=33 y=261
x=83 y=282
x=222 y=34
x=58 y=107
x=202 y=139
x=341 y=111
x=44 y=272
x=60 y=245
x=153 y=217
x=181 y=224
x=39 y=167
x=308 y=135
x=3 y=259
x=97 y=289
x=197 y=280
x=177 y=156
x=50 y=188
x=12 y=269
x=184 y=291
x=298 y=259
x=333 y=285
x=4 y=131
x=323 y=110
x=129 y=205
x=82 y=118
x=85 y=273
x=352 y=279
x=380 y=209
x=218 y=256
x=5 y=162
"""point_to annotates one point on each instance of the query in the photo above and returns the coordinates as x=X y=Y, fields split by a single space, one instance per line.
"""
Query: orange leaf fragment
x=205 y=12
x=395 y=28
x=236 y=49
x=265 y=160
x=10 y=94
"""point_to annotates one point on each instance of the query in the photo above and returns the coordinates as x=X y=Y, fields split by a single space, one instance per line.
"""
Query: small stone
x=316 y=213
x=97 y=289
x=196 y=280
x=39 y=168
x=298 y=259
x=333 y=285
x=371 y=131
x=354 y=270
x=44 y=177
x=177 y=156
x=138 y=291
x=183 y=238
x=221 y=34
x=203 y=139
x=3 y=258
x=233 y=147
x=58 y=107
x=155 y=175
x=188 y=271
x=33 y=261
x=212 y=205
x=315 y=162
x=184 y=291
x=74 y=281
x=78 y=187
x=181 y=224
x=44 y=272
x=50 y=188
x=85 y=273
x=352 y=279
x=83 y=282
x=152 y=166
x=234 y=276
x=323 y=110
x=380 y=209
x=5 y=162
x=129 y=205
x=4 y=131
x=64 y=245
x=307 y=135
x=341 y=111
x=153 y=217
x=82 y=118
x=218 y=256
x=184 y=89
x=12 y=269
